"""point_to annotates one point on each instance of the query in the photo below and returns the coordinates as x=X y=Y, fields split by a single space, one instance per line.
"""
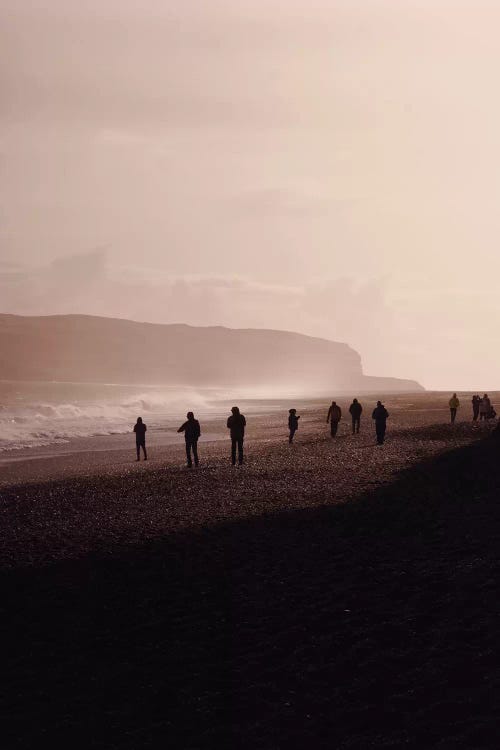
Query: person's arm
x=298 y=417
x=145 y=428
x=182 y=427
x=198 y=430
x=340 y=413
x=228 y=423
x=328 y=415
x=243 y=421
x=135 y=428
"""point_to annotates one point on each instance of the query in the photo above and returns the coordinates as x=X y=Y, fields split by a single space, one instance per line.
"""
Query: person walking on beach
x=355 y=410
x=334 y=416
x=380 y=415
x=476 y=400
x=192 y=432
x=140 y=438
x=484 y=408
x=454 y=404
x=293 y=423
x=236 y=423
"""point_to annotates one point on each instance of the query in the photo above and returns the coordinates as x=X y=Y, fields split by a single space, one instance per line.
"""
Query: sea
x=36 y=414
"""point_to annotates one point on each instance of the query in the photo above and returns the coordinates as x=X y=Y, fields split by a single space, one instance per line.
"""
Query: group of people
x=236 y=424
x=380 y=416
x=482 y=408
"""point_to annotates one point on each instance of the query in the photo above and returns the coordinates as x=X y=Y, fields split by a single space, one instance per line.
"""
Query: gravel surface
x=332 y=593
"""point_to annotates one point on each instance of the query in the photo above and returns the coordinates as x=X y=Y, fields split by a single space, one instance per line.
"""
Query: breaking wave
x=25 y=424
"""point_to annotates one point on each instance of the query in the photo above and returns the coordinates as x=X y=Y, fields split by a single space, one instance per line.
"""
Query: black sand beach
x=330 y=593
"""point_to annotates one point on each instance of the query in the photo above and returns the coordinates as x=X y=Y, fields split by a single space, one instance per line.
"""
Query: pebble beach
x=306 y=596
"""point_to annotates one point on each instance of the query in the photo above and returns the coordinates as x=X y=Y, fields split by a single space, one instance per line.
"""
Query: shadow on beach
x=370 y=624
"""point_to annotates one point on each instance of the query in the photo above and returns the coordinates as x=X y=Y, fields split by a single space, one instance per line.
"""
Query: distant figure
x=140 y=438
x=192 y=432
x=334 y=416
x=454 y=404
x=476 y=401
x=293 y=423
x=236 y=424
x=380 y=415
x=484 y=407
x=355 y=410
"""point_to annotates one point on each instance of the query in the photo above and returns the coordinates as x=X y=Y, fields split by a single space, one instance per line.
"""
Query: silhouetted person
x=355 y=410
x=293 y=423
x=140 y=438
x=192 y=432
x=334 y=416
x=476 y=401
x=454 y=404
x=484 y=407
x=236 y=424
x=380 y=415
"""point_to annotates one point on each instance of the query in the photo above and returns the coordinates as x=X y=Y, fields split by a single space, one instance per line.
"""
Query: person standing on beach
x=475 y=407
x=454 y=404
x=293 y=423
x=140 y=438
x=380 y=415
x=484 y=408
x=236 y=424
x=355 y=410
x=192 y=432
x=334 y=416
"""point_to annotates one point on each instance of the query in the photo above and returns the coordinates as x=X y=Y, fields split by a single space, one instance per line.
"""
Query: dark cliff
x=107 y=350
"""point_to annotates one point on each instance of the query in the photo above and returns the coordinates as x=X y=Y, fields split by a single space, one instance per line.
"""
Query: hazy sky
x=330 y=167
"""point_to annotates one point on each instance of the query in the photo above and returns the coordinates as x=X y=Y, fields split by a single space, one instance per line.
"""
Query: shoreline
x=76 y=504
x=332 y=593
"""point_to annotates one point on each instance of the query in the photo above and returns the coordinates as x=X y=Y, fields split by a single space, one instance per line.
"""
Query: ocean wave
x=41 y=423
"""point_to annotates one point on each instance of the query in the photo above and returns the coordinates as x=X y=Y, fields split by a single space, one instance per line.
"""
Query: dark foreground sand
x=328 y=594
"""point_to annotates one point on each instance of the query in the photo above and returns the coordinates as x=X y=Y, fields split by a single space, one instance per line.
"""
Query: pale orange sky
x=325 y=167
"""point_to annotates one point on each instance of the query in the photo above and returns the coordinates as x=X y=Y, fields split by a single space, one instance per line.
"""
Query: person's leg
x=233 y=451
x=138 y=449
x=292 y=435
x=358 y=424
x=240 y=451
x=144 y=451
x=333 y=428
x=188 y=453
x=195 y=452
x=353 y=425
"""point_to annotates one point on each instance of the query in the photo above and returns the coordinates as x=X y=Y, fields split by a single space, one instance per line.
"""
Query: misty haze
x=249 y=380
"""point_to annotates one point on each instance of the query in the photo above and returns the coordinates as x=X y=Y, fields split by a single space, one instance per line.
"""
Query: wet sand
x=334 y=593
